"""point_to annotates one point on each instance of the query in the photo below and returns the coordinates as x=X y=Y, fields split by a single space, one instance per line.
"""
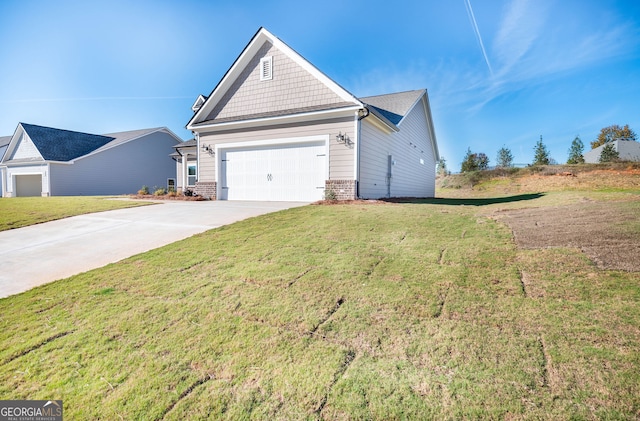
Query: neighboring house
x=276 y=128
x=186 y=157
x=4 y=144
x=629 y=150
x=42 y=161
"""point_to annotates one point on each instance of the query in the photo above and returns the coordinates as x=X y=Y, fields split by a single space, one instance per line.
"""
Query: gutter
x=361 y=116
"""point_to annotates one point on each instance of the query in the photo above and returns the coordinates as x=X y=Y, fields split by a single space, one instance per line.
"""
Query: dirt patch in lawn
x=607 y=232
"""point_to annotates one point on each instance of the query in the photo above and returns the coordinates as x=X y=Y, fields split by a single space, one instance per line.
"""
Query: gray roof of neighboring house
x=186 y=144
x=122 y=137
x=4 y=143
x=63 y=145
x=191 y=143
x=394 y=106
x=628 y=150
x=66 y=145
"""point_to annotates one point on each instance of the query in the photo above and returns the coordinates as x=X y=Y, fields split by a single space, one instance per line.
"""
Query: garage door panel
x=279 y=173
x=28 y=185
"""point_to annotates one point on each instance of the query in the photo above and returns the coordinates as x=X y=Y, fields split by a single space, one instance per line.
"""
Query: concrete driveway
x=42 y=253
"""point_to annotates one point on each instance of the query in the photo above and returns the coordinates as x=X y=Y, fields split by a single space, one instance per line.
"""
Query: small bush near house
x=159 y=192
x=330 y=195
x=144 y=190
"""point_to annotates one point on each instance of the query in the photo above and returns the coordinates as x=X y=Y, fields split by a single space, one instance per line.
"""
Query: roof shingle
x=394 y=106
x=63 y=145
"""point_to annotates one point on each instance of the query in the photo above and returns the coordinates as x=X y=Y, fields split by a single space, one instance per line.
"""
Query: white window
x=266 y=68
x=192 y=174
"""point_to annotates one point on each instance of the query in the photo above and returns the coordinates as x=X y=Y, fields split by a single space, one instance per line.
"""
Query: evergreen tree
x=541 y=156
x=442 y=167
x=609 y=153
x=482 y=161
x=505 y=158
x=575 y=152
x=474 y=161
x=469 y=162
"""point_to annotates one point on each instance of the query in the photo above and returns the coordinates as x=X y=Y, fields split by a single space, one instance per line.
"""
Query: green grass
x=20 y=212
x=393 y=311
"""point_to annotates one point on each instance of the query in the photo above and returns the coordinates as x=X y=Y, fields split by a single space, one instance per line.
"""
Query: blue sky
x=499 y=72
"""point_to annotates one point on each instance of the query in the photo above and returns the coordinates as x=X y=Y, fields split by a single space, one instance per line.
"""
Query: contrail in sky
x=106 y=98
x=477 y=31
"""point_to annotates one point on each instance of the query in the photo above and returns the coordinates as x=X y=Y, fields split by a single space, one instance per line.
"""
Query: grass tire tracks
x=548 y=375
x=297 y=278
x=349 y=357
x=186 y=393
x=38 y=345
x=523 y=284
x=328 y=315
x=442 y=300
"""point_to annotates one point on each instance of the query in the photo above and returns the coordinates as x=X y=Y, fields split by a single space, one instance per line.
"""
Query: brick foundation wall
x=206 y=189
x=343 y=189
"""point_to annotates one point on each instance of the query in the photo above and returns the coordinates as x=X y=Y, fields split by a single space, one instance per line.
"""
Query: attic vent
x=266 y=68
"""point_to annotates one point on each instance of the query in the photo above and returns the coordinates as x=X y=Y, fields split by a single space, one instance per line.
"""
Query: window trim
x=193 y=177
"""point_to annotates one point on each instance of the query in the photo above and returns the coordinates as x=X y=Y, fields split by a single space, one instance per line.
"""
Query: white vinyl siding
x=26 y=149
x=411 y=177
x=31 y=171
x=340 y=157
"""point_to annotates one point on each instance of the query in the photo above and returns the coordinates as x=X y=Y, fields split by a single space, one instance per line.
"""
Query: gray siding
x=120 y=170
x=341 y=162
x=412 y=143
x=291 y=87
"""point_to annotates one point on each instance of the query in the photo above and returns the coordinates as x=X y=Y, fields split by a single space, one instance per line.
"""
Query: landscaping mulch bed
x=167 y=197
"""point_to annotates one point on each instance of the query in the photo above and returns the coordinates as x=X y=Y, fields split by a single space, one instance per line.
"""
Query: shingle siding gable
x=25 y=149
x=292 y=88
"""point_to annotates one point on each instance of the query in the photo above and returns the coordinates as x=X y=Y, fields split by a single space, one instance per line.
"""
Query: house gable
x=23 y=148
x=269 y=79
x=46 y=143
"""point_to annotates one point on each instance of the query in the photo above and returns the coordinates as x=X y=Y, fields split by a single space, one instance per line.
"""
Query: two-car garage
x=273 y=172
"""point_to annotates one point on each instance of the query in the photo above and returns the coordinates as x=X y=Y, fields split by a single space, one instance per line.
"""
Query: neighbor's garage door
x=28 y=185
x=293 y=172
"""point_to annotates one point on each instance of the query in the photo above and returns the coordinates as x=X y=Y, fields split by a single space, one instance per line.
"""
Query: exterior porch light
x=209 y=149
x=343 y=138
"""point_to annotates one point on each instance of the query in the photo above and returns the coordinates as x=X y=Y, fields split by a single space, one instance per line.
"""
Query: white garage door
x=28 y=185
x=293 y=172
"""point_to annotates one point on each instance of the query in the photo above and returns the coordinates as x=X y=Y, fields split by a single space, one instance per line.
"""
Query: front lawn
x=377 y=311
x=17 y=212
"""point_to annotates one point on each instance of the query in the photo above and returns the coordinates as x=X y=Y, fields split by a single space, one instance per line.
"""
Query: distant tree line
x=478 y=161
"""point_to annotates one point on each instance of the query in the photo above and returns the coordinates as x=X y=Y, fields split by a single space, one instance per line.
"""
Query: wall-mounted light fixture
x=209 y=149
x=344 y=139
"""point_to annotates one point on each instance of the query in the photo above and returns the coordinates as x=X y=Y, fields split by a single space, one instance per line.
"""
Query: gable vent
x=266 y=68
